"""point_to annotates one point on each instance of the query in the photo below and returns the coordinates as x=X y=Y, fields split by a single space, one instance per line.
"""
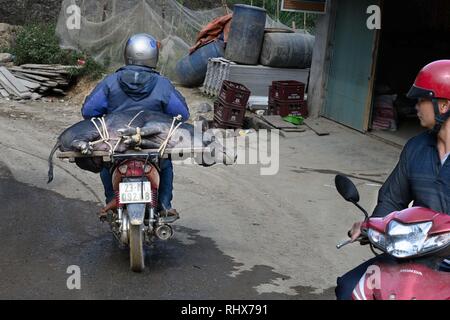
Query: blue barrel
x=191 y=69
x=246 y=35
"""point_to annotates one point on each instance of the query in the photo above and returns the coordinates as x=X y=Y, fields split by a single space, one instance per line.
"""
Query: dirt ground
x=279 y=231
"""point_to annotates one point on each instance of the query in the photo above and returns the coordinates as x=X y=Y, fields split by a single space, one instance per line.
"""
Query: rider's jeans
x=347 y=283
x=165 y=186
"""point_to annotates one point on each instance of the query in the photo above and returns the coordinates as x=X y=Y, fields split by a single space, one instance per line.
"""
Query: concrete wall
x=321 y=59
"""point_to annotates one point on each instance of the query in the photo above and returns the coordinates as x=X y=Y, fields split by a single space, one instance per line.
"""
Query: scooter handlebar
x=363 y=240
x=343 y=244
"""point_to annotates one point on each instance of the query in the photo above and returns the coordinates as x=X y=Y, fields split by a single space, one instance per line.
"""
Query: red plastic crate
x=287 y=90
x=228 y=115
x=286 y=108
x=234 y=93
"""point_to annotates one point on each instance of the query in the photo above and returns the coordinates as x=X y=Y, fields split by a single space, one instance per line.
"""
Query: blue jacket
x=135 y=87
x=419 y=176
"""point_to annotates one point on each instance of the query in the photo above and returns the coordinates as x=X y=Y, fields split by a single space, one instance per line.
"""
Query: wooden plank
x=294 y=129
x=3 y=92
x=318 y=126
x=29 y=84
x=12 y=91
x=278 y=122
x=49 y=66
x=60 y=91
x=74 y=154
x=32 y=77
x=22 y=77
x=34 y=72
x=8 y=87
x=46 y=68
x=34 y=66
x=43 y=89
x=4 y=82
x=13 y=80
x=51 y=84
x=257 y=123
x=46 y=73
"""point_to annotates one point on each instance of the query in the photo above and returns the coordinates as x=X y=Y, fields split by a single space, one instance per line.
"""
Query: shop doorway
x=413 y=34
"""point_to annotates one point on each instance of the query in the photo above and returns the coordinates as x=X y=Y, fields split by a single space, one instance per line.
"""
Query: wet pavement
x=43 y=233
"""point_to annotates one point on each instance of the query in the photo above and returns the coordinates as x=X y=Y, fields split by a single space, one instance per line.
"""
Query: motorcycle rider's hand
x=355 y=232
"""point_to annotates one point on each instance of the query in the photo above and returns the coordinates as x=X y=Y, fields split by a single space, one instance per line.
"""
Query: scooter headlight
x=435 y=242
x=377 y=238
x=404 y=241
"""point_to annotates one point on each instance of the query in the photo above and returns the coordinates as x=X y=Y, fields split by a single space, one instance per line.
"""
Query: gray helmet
x=142 y=50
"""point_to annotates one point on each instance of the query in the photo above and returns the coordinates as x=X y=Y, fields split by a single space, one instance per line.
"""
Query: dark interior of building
x=413 y=34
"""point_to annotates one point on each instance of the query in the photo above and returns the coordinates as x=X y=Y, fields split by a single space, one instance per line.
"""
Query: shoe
x=102 y=215
x=168 y=216
x=109 y=210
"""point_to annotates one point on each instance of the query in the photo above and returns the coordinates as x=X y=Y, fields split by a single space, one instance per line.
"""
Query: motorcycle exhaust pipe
x=164 y=232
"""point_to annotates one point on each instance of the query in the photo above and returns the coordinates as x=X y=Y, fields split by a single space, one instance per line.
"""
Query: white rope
x=164 y=143
x=134 y=118
x=162 y=149
x=104 y=134
x=117 y=144
x=172 y=130
x=129 y=126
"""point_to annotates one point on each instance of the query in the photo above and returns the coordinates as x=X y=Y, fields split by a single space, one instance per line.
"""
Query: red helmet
x=432 y=82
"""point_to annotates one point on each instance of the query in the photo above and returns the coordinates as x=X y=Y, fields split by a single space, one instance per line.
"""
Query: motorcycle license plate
x=135 y=192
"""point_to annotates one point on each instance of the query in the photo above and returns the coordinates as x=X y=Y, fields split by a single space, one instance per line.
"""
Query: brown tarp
x=212 y=31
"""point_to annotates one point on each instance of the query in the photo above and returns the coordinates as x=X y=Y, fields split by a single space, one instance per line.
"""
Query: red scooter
x=416 y=242
x=135 y=220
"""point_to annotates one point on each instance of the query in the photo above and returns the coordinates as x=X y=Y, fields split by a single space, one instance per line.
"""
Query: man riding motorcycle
x=422 y=174
x=138 y=86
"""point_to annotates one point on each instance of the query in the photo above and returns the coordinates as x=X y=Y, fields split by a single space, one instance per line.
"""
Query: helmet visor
x=417 y=92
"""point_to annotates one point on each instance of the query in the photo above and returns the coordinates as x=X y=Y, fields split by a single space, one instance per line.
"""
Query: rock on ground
x=7 y=34
x=5 y=57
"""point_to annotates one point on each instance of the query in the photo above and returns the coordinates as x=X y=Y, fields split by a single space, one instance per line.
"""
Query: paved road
x=241 y=235
x=43 y=233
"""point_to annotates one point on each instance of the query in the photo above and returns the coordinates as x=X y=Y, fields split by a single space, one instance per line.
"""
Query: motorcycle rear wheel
x=137 y=263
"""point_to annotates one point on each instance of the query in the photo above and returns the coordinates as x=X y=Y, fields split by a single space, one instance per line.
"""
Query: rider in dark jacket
x=422 y=174
x=138 y=86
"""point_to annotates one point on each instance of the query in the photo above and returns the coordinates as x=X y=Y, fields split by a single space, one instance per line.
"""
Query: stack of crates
x=230 y=106
x=287 y=98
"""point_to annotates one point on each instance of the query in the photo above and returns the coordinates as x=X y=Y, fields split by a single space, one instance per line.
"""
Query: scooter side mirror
x=346 y=189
